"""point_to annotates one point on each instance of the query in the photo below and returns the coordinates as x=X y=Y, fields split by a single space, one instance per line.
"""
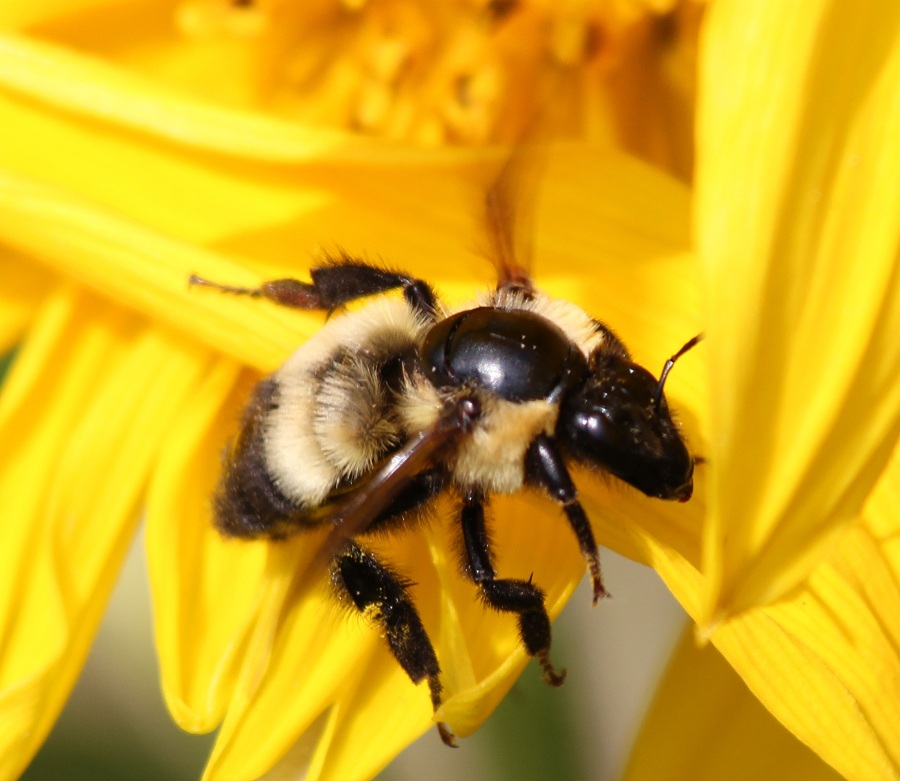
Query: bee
x=388 y=407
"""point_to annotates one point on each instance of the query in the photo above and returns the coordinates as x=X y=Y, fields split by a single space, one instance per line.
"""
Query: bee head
x=618 y=420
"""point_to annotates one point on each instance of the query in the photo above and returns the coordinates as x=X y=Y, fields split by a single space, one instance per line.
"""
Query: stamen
x=376 y=68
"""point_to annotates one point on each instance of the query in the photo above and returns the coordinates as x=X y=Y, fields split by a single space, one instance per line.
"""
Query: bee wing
x=511 y=199
x=509 y=216
x=366 y=501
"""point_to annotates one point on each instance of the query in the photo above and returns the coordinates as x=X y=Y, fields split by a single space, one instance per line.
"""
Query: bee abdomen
x=248 y=502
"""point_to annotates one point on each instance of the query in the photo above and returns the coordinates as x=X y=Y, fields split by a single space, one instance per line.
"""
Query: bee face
x=620 y=422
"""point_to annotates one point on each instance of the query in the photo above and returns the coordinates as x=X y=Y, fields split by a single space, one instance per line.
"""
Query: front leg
x=545 y=467
x=336 y=284
x=511 y=596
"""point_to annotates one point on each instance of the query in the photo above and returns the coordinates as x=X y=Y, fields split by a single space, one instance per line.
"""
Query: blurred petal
x=652 y=83
x=704 y=725
x=798 y=125
x=84 y=437
x=152 y=176
x=103 y=92
x=374 y=68
x=23 y=13
x=24 y=286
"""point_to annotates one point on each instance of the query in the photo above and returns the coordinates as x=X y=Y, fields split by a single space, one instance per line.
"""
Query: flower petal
x=338 y=667
x=142 y=268
x=205 y=590
x=104 y=92
x=160 y=182
x=302 y=652
x=705 y=724
x=798 y=192
x=24 y=286
x=22 y=14
x=84 y=437
x=826 y=662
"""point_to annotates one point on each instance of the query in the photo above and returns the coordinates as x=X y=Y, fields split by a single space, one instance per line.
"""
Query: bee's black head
x=619 y=420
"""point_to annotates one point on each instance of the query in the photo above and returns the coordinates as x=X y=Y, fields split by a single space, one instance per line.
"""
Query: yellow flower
x=797 y=197
x=803 y=273
x=143 y=145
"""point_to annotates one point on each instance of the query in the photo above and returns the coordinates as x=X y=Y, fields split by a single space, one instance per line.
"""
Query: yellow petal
x=154 y=176
x=482 y=651
x=663 y=535
x=24 y=286
x=798 y=193
x=21 y=13
x=327 y=660
x=302 y=652
x=372 y=724
x=705 y=725
x=143 y=269
x=85 y=435
x=375 y=69
x=826 y=661
x=205 y=591
x=105 y=93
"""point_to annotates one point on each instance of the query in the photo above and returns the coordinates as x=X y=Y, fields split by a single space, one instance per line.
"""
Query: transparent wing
x=511 y=199
x=510 y=205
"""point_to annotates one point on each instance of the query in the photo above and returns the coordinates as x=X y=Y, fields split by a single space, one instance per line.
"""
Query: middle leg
x=507 y=595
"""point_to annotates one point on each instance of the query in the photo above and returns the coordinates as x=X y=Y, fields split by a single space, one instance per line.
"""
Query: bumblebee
x=390 y=406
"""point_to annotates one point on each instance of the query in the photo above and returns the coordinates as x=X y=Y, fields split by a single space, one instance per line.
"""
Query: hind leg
x=521 y=597
x=383 y=597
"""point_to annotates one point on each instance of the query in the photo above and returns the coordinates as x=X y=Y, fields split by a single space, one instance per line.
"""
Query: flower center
x=465 y=71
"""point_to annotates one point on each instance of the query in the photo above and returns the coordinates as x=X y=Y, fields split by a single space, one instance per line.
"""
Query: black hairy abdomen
x=248 y=503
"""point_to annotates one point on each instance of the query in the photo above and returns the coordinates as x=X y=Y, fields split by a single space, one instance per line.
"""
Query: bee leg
x=348 y=279
x=507 y=595
x=383 y=597
x=336 y=284
x=545 y=467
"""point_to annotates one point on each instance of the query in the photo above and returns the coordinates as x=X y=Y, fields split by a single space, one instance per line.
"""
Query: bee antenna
x=657 y=396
